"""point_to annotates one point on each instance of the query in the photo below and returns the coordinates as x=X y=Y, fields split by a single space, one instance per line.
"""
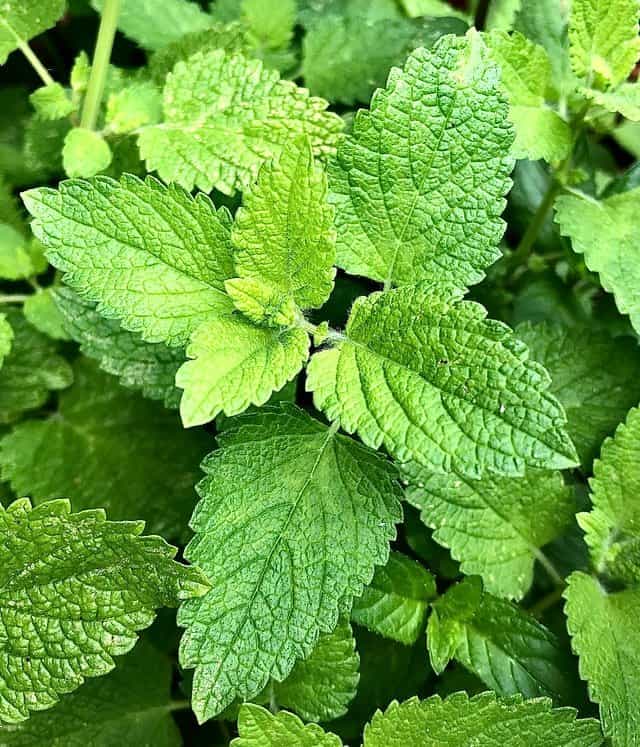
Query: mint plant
x=340 y=299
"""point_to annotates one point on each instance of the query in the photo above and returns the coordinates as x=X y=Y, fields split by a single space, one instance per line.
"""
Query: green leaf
x=545 y=23
x=435 y=8
x=6 y=338
x=612 y=527
x=395 y=602
x=163 y=255
x=270 y=22
x=21 y=20
x=260 y=728
x=74 y=591
x=595 y=377
x=236 y=364
x=41 y=311
x=435 y=382
x=149 y=367
x=526 y=77
x=260 y=303
x=321 y=686
x=604 y=634
x=604 y=43
x=31 y=370
x=51 y=101
x=132 y=107
x=625 y=100
x=312 y=513
x=440 y=135
x=506 y=648
x=15 y=263
x=283 y=234
x=141 y=21
x=129 y=706
x=85 y=153
x=84 y=452
x=225 y=115
x=501 y=15
x=605 y=232
x=460 y=721
x=494 y=526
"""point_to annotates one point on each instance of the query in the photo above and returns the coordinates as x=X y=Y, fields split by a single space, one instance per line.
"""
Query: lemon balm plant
x=369 y=361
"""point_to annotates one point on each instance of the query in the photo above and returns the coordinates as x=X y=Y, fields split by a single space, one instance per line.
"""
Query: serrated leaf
x=30 y=371
x=134 y=106
x=129 y=706
x=440 y=135
x=625 y=99
x=21 y=20
x=236 y=364
x=225 y=115
x=258 y=727
x=85 y=153
x=150 y=255
x=41 y=311
x=612 y=527
x=526 y=76
x=395 y=602
x=141 y=21
x=6 y=338
x=435 y=382
x=494 y=526
x=596 y=378
x=604 y=634
x=150 y=367
x=51 y=101
x=84 y=452
x=74 y=591
x=603 y=36
x=283 y=234
x=605 y=232
x=545 y=23
x=460 y=721
x=321 y=686
x=310 y=536
x=506 y=648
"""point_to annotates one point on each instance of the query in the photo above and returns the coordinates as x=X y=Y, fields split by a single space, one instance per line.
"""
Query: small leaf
x=85 y=153
x=132 y=107
x=625 y=99
x=258 y=727
x=51 y=101
x=260 y=303
x=41 y=311
x=15 y=262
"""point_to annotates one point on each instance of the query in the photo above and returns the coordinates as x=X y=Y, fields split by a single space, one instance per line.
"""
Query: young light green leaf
x=460 y=721
x=312 y=512
x=15 y=263
x=51 y=101
x=604 y=634
x=30 y=371
x=270 y=22
x=130 y=706
x=134 y=106
x=494 y=526
x=545 y=23
x=321 y=686
x=83 y=452
x=283 y=234
x=236 y=364
x=605 y=232
x=225 y=115
x=150 y=255
x=74 y=591
x=85 y=153
x=395 y=602
x=261 y=303
x=150 y=367
x=440 y=134
x=625 y=99
x=21 y=20
x=260 y=728
x=595 y=377
x=41 y=311
x=6 y=338
x=526 y=77
x=436 y=382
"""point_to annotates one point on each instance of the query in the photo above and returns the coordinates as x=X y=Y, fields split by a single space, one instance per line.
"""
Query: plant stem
x=100 y=66
x=531 y=234
x=549 y=568
x=35 y=63
x=18 y=298
x=542 y=605
x=179 y=705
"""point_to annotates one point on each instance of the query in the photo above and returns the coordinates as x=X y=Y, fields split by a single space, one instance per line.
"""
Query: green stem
x=549 y=568
x=179 y=705
x=100 y=66
x=18 y=298
x=31 y=56
x=521 y=252
x=273 y=702
x=542 y=605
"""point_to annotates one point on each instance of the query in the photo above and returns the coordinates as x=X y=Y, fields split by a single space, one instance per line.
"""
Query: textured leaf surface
x=605 y=232
x=236 y=364
x=30 y=371
x=500 y=643
x=21 y=20
x=224 y=116
x=284 y=558
x=625 y=99
x=460 y=721
x=6 y=338
x=595 y=377
x=395 y=602
x=494 y=526
x=85 y=153
x=130 y=706
x=260 y=728
x=108 y=447
x=74 y=591
x=604 y=634
x=436 y=382
x=283 y=235
x=419 y=185
x=150 y=367
x=150 y=255
x=603 y=35
x=51 y=101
